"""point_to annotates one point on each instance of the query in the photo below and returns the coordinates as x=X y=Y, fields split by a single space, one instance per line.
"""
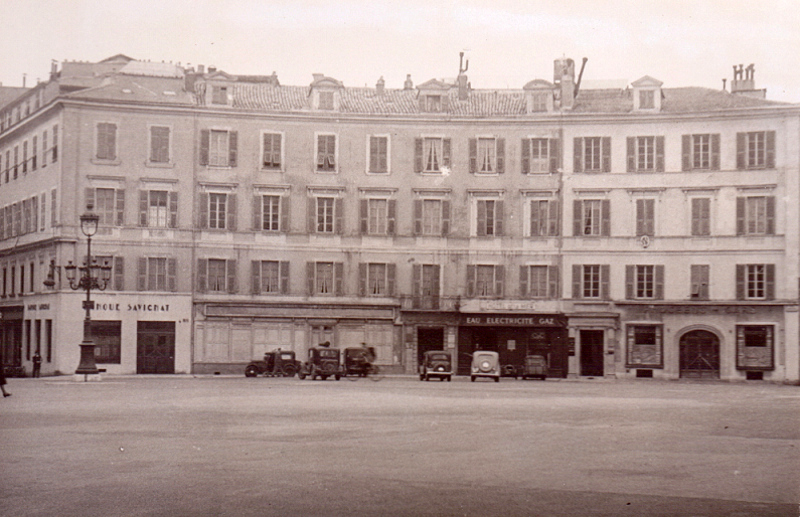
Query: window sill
x=318 y=171
x=98 y=161
x=219 y=167
x=273 y=169
x=160 y=165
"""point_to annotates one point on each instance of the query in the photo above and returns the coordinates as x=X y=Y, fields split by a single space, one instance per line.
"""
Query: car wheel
x=472 y=378
x=421 y=377
x=441 y=379
x=449 y=378
x=289 y=370
x=337 y=377
x=497 y=379
x=251 y=371
x=323 y=377
x=302 y=376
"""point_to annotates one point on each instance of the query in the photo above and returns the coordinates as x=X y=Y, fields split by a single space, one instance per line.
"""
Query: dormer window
x=539 y=101
x=647 y=94
x=433 y=103
x=326 y=100
x=647 y=99
x=219 y=95
x=539 y=96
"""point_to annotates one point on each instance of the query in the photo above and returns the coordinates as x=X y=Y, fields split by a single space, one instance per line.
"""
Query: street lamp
x=92 y=276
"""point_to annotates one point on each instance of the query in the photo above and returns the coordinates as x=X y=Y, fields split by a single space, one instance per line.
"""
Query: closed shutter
x=255 y=275
x=501 y=155
x=204 y=145
x=230 y=269
x=119 y=273
x=172 y=274
x=526 y=156
x=143 y=202
x=473 y=155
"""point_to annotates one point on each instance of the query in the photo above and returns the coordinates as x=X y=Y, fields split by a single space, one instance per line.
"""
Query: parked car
x=436 y=364
x=510 y=370
x=357 y=360
x=323 y=362
x=278 y=363
x=535 y=367
x=485 y=364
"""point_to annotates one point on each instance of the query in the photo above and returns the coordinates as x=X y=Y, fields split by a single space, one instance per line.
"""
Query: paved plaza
x=218 y=446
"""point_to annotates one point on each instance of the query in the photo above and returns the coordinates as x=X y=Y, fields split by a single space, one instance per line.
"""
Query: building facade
x=640 y=231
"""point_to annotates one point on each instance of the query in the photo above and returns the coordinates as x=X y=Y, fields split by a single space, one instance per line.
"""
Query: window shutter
x=554 y=219
x=284 y=271
x=770 y=215
x=606 y=149
x=445 y=103
x=416 y=279
x=470 y=281
x=172 y=274
x=255 y=266
x=143 y=198
x=659 y=293
x=202 y=274
x=362 y=279
x=554 y=150
x=605 y=273
x=445 y=152
x=364 y=216
x=391 y=277
x=605 y=228
x=204 y=145
x=311 y=215
x=233 y=143
x=501 y=155
x=231 y=223
x=338 y=268
x=499 y=212
x=686 y=152
x=230 y=269
x=631 y=154
x=553 y=279
x=770 y=149
x=258 y=221
x=119 y=273
x=481 y=206
x=120 y=195
x=89 y=194
x=285 y=204
x=535 y=222
x=417 y=155
x=641 y=217
x=630 y=272
x=445 y=218
x=373 y=154
x=473 y=155
x=741 y=150
x=577 y=282
x=141 y=278
x=417 y=217
x=577 y=217
x=339 y=216
x=203 y=209
x=523 y=281
x=740 y=281
x=526 y=156
x=770 y=281
x=577 y=155
x=740 y=211
x=715 y=152
x=499 y=280
x=659 y=154
x=390 y=224
x=310 y=271
x=173 y=209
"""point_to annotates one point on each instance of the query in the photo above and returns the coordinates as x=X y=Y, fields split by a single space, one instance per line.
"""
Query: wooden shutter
x=606 y=156
x=770 y=215
x=659 y=291
x=686 y=152
x=741 y=270
x=473 y=155
x=501 y=155
x=391 y=223
x=481 y=206
x=499 y=212
x=119 y=273
x=233 y=144
x=172 y=274
x=499 y=280
x=143 y=202
x=285 y=211
x=553 y=279
x=535 y=219
x=141 y=277
x=630 y=274
x=770 y=282
x=417 y=217
x=311 y=215
x=230 y=270
x=577 y=282
x=445 y=152
x=659 y=154
x=362 y=278
x=120 y=208
x=418 y=147
x=258 y=203
x=740 y=212
x=526 y=156
x=311 y=268
x=471 y=278
x=339 y=216
x=173 y=209
x=364 y=216
x=416 y=279
x=284 y=272
x=255 y=275
x=338 y=268
x=523 y=281
x=577 y=155
x=699 y=282
x=554 y=151
x=204 y=145
x=202 y=210
x=605 y=274
x=715 y=152
x=391 y=279
x=554 y=218
x=445 y=217
x=577 y=217
x=741 y=151
x=605 y=228
x=231 y=222
x=89 y=195
x=631 y=154
x=770 y=150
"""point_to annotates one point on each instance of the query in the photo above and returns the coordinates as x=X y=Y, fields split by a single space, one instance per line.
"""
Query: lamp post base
x=87 y=366
x=86 y=377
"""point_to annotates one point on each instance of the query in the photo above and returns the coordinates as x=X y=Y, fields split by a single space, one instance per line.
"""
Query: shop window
x=755 y=347
x=645 y=346
x=107 y=337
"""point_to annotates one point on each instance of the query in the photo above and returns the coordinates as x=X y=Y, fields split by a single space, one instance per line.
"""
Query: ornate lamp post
x=92 y=276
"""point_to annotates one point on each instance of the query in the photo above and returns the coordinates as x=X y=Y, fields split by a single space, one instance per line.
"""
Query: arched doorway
x=699 y=355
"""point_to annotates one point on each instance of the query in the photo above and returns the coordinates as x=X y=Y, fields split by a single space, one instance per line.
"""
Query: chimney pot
x=379 y=86
x=408 y=84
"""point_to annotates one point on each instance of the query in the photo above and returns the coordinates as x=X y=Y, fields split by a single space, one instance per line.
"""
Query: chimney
x=744 y=82
x=408 y=84
x=463 y=85
x=212 y=69
x=317 y=77
x=723 y=84
x=201 y=69
x=53 y=69
x=379 y=86
x=564 y=76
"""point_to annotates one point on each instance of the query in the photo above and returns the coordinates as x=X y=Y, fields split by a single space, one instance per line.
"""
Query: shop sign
x=132 y=307
x=495 y=320
x=696 y=309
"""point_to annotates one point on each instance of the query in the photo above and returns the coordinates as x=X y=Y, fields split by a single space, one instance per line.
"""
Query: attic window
x=539 y=101
x=219 y=95
x=326 y=100
x=433 y=103
x=647 y=99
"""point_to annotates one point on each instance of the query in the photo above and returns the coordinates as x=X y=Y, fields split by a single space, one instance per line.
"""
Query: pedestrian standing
x=37 y=364
x=3 y=381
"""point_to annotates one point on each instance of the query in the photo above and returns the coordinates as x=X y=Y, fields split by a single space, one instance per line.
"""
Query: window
x=431 y=217
x=755 y=281
x=701 y=216
x=326 y=153
x=325 y=278
x=432 y=103
x=540 y=155
x=219 y=95
x=754 y=347
x=108 y=203
x=378 y=154
x=326 y=100
x=54 y=149
x=270 y=277
x=755 y=150
x=268 y=212
x=272 y=151
x=489 y=217
x=590 y=281
x=25 y=157
x=592 y=217
x=34 y=152
x=539 y=281
x=218 y=148
x=217 y=215
x=107 y=338
x=646 y=154
x=158 y=209
x=376 y=279
x=326 y=216
x=16 y=161
x=106 y=141
x=159 y=144
x=645 y=217
x=539 y=101
x=592 y=154
x=699 y=279
x=426 y=288
x=486 y=155
x=378 y=216
x=644 y=282
x=755 y=215
x=544 y=217
x=431 y=155
x=485 y=281
x=645 y=346
x=117 y=264
x=157 y=274
x=647 y=99
x=217 y=275
x=700 y=152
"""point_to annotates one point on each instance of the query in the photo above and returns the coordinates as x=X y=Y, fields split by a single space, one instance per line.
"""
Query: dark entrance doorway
x=429 y=339
x=699 y=355
x=592 y=353
x=11 y=341
x=155 y=347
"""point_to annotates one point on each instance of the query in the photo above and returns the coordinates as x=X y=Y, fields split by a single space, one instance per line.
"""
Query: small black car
x=323 y=362
x=278 y=363
x=358 y=359
x=436 y=363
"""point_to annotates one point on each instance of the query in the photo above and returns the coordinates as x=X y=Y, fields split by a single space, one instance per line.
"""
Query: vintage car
x=436 y=364
x=510 y=370
x=358 y=359
x=278 y=363
x=485 y=364
x=535 y=367
x=323 y=362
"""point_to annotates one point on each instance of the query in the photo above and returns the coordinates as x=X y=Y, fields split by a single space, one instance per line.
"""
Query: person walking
x=3 y=381
x=37 y=364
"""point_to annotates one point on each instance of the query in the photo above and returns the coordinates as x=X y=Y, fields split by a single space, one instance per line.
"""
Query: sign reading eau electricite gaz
x=514 y=320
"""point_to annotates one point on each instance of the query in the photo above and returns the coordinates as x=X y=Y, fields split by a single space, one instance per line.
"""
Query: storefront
x=11 y=338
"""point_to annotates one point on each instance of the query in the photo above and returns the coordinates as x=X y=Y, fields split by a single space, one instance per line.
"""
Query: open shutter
x=577 y=155
x=202 y=210
x=204 y=145
x=686 y=152
x=310 y=280
x=605 y=274
x=470 y=281
x=391 y=279
x=364 y=216
x=143 y=197
x=141 y=277
x=284 y=271
x=577 y=217
x=501 y=155
x=715 y=152
x=231 y=223
x=659 y=293
x=770 y=215
x=554 y=150
x=526 y=156
x=481 y=206
x=473 y=155
x=362 y=279
x=630 y=272
x=338 y=268
x=339 y=216
x=119 y=273
x=172 y=274
x=606 y=149
x=311 y=215
x=233 y=144
x=553 y=279
x=173 y=209
x=257 y=207
x=523 y=281
x=391 y=223
x=659 y=154
x=740 y=211
x=605 y=210
x=499 y=281
x=770 y=150
x=445 y=217
x=256 y=276
x=120 y=208
x=445 y=152
x=641 y=205
x=417 y=217
x=577 y=282
x=740 y=281
x=741 y=150
x=499 y=212
x=285 y=211
x=554 y=219
x=230 y=269
x=416 y=281
x=535 y=219
x=631 y=154
x=417 y=155
x=770 y=282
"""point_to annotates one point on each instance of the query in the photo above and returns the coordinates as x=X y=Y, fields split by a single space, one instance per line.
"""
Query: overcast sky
x=508 y=42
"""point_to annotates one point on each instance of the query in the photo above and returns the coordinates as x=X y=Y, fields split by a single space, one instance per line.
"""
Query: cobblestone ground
x=185 y=445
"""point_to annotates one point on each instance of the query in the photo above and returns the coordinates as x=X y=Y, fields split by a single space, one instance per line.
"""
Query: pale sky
x=507 y=42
